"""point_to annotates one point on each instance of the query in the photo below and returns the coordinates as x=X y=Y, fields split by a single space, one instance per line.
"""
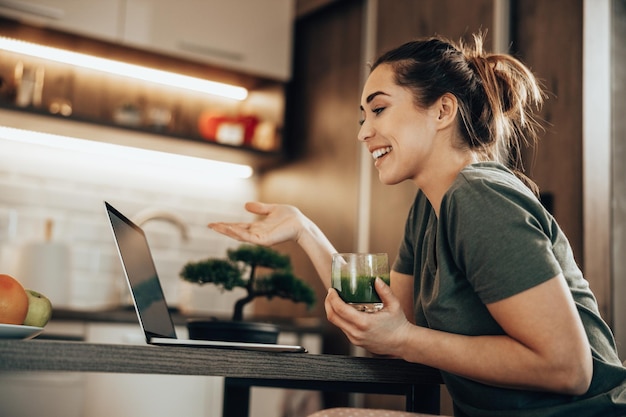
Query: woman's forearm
x=318 y=248
x=495 y=360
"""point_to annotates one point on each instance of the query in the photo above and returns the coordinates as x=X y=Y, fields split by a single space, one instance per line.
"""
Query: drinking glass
x=353 y=276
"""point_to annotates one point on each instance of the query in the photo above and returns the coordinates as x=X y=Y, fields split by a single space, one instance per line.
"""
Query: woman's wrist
x=305 y=234
x=317 y=246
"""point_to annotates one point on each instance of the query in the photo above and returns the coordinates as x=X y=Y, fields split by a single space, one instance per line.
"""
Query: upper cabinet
x=94 y=18
x=252 y=37
x=248 y=36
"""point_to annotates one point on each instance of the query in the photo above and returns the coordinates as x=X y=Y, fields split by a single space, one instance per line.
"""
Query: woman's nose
x=365 y=132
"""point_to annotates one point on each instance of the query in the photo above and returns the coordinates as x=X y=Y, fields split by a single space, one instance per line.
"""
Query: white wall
x=68 y=186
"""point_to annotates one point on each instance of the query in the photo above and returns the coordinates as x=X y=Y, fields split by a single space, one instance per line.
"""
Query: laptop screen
x=141 y=275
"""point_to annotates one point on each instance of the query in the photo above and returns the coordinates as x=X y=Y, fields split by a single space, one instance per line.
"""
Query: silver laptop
x=154 y=317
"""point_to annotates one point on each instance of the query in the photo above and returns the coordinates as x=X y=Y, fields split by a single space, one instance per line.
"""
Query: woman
x=485 y=286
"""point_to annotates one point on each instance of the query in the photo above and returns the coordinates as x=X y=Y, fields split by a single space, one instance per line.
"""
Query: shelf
x=98 y=102
x=143 y=138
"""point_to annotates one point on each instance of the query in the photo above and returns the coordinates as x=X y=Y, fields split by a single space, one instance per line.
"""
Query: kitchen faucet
x=150 y=214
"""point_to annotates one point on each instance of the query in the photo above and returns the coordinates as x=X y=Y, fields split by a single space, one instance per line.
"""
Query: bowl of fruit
x=23 y=312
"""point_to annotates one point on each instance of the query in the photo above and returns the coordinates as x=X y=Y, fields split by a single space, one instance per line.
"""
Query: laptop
x=147 y=294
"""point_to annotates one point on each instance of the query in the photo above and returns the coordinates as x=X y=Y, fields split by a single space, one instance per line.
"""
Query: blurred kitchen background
x=175 y=160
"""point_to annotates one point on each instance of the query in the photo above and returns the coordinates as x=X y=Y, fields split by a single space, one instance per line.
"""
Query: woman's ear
x=447 y=106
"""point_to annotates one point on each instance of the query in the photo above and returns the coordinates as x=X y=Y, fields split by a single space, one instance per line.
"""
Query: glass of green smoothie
x=353 y=276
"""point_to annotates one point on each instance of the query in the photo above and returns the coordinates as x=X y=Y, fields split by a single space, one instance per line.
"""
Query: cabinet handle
x=206 y=50
x=33 y=9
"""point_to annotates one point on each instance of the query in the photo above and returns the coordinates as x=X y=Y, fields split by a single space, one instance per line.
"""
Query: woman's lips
x=378 y=153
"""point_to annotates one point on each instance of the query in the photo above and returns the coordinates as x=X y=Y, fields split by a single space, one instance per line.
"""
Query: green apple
x=39 y=309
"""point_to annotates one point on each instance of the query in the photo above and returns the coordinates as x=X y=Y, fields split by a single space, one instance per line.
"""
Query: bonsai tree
x=241 y=269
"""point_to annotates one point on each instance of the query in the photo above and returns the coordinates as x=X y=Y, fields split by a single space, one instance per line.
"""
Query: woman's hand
x=381 y=333
x=280 y=223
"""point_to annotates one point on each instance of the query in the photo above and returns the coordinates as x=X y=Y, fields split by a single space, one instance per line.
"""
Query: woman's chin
x=387 y=180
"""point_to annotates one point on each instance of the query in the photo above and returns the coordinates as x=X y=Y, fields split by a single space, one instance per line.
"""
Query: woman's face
x=398 y=134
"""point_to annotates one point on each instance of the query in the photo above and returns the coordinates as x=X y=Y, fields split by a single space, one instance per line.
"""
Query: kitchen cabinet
x=107 y=394
x=146 y=395
x=249 y=36
x=94 y=18
x=57 y=393
x=174 y=395
x=95 y=394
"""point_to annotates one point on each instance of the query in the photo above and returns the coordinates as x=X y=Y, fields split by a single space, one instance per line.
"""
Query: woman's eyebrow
x=372 y=97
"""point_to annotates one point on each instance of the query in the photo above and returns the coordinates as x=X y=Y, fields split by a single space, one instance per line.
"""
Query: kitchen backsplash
x=40 y=184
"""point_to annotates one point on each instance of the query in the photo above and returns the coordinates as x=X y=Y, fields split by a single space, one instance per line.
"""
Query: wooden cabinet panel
x=548 y=38
x=400 y=21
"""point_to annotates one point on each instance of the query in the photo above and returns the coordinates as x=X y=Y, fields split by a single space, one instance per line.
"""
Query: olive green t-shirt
x=494 y=239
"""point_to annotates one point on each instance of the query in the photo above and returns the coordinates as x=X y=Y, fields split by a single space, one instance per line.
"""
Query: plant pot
x=233 y=331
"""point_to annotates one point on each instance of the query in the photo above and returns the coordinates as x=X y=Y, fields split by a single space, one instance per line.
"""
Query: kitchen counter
x=127 y=314
x=242 y=369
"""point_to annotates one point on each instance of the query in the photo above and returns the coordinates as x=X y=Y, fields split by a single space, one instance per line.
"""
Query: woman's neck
x=444 y=169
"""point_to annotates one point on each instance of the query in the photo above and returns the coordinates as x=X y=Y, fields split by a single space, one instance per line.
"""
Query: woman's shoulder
x=489 y=188
x=486 y=172
x=488 y=177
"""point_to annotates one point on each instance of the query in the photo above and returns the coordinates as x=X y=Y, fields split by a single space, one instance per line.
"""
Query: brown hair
x=497 y=94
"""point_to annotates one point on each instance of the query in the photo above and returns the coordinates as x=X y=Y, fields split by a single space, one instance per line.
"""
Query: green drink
x=358 y=289
x=353 y=276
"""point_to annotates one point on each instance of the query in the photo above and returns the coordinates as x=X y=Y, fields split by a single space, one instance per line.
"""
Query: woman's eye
x=376 y=111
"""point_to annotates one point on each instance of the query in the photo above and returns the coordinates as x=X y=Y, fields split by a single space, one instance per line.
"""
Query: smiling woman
x=452 y=118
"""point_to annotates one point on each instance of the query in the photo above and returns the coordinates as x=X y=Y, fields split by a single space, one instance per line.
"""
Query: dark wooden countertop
x=43 y=355
x=242 y=369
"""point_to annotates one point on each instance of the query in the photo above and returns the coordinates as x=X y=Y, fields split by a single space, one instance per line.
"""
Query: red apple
x=13 y=300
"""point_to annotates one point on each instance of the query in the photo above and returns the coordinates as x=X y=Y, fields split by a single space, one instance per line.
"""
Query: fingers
x=384 y=292
x=376 y=332
x=225 y=229
x=278 y=223
x=391 y=303
x=333 y=306
x=238 y=231
x=340 y=313
x=354 y=324
x=257 y=207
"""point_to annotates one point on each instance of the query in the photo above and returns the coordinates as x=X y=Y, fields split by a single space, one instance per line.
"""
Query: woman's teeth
x=380 y=152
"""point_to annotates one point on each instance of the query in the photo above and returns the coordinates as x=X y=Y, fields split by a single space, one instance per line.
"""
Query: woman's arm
x=282 y=223
x=402 y=287
x=545 y=348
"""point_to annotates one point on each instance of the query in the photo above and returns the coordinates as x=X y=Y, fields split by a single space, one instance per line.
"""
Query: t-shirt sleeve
x=500 y=236
x=404 y=262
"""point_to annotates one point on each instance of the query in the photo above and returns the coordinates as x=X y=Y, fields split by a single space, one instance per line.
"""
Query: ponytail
x=512 y=95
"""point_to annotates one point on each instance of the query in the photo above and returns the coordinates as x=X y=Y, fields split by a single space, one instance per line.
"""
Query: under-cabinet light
x=124 y=69
x=197 y=167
